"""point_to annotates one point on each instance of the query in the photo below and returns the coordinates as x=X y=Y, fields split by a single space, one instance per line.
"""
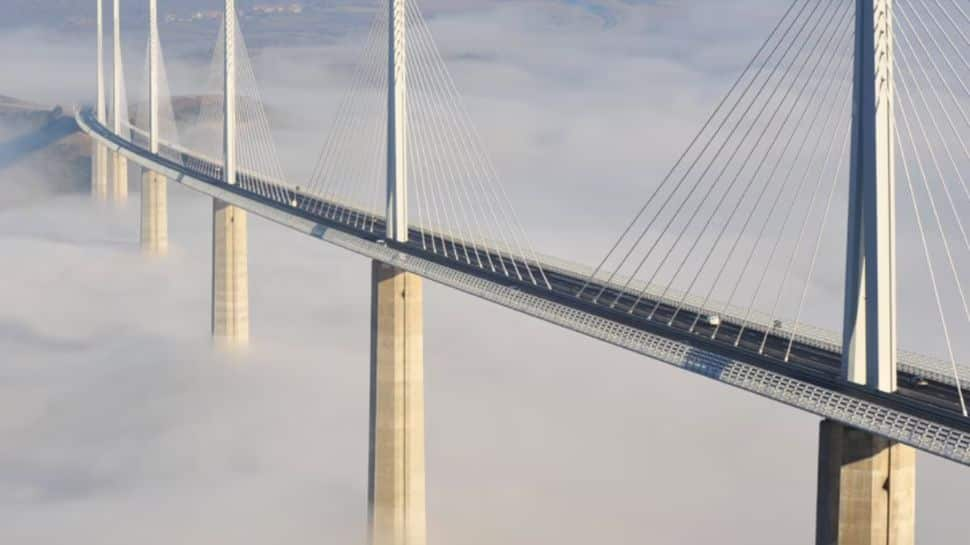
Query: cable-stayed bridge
x=713 y=274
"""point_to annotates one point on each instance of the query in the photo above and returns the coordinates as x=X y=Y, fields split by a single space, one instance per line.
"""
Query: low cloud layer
x=120 y=424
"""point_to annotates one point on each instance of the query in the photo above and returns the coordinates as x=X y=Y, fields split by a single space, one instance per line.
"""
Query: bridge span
x=924 y=412
x=827 y=74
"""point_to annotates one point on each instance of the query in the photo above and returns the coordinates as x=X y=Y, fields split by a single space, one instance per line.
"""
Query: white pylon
x=869 y=326
x=397 y=166
x=154 y=200
x=229 y=95
x=120 y=163
x=153 y=58
x=99 y=154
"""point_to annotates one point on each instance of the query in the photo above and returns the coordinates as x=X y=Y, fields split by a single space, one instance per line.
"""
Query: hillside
x=41 y=152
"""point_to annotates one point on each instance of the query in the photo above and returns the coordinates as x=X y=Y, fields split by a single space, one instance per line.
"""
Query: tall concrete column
x=230 y=272
x=866 y=489
x=869 y=323
x=396 y=491
x=154 y=214
x=119 y=165
x=154 y=198
x=99 y=154
x=230 y=275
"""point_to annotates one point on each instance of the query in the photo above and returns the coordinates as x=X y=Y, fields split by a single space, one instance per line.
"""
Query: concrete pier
x=119 y=167
x=119 y=164
x=154 y=214
x=866 y=489
x=230 y=275
x=396 y=491
x=99 y=172
x=99 y=154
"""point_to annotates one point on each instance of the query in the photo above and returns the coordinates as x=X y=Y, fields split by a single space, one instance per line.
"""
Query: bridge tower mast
x=869 y=324
x=120 y=166
x=397 y=114
x=154 y=198
x=99 y=154
x=230 y=268
x=396 y=487
x=866 y=493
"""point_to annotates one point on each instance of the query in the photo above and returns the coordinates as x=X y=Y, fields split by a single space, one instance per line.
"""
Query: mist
x=120 y=423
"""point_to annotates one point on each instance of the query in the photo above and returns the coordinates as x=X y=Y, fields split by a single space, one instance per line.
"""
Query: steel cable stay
x=167 y=123
x=949 y=17
x=168 y=136
x=803 y=230
x=374 y=174
x=487 y=178
x=905 y=105
x=430 y=105
x=476 y=166
x=428 y=220
x=212 y=111
x=906 y=74
x=468 y=142
x=958 y=7
x=428 y=181
x=907 y=26
x=354 y=125
x=261 y=155
x=710 y=141
x=254 y=146
x=751 y=126
x=437 y=154
x=957 y=50
x=831 y=56
x=335 y=184
x=261 y=133
x=818 y=244
x=123 y=109
x=720 y=149
x=829 y=126
x=461 y=173
x=906 y=53
x=373 y=167
x=697 y=138
x=932 y=273
x=360 y=143
x=142 y=110
x=908 y=47
x=210 y=117
x=422 y=204
x=690 y=169
x=321 y=178
x=362 y=137
x=830 y=76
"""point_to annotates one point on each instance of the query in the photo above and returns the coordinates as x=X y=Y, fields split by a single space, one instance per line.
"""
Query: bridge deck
x=924 y=412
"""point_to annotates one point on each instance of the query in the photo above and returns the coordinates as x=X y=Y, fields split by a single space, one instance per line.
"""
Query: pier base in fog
x=866 y=489
x=154 y=214
x=396 y=491
x=99 y=171
x=230 y=275
x=119 y=169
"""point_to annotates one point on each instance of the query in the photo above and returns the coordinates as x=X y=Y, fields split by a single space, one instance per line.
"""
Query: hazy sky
x=119 y=424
